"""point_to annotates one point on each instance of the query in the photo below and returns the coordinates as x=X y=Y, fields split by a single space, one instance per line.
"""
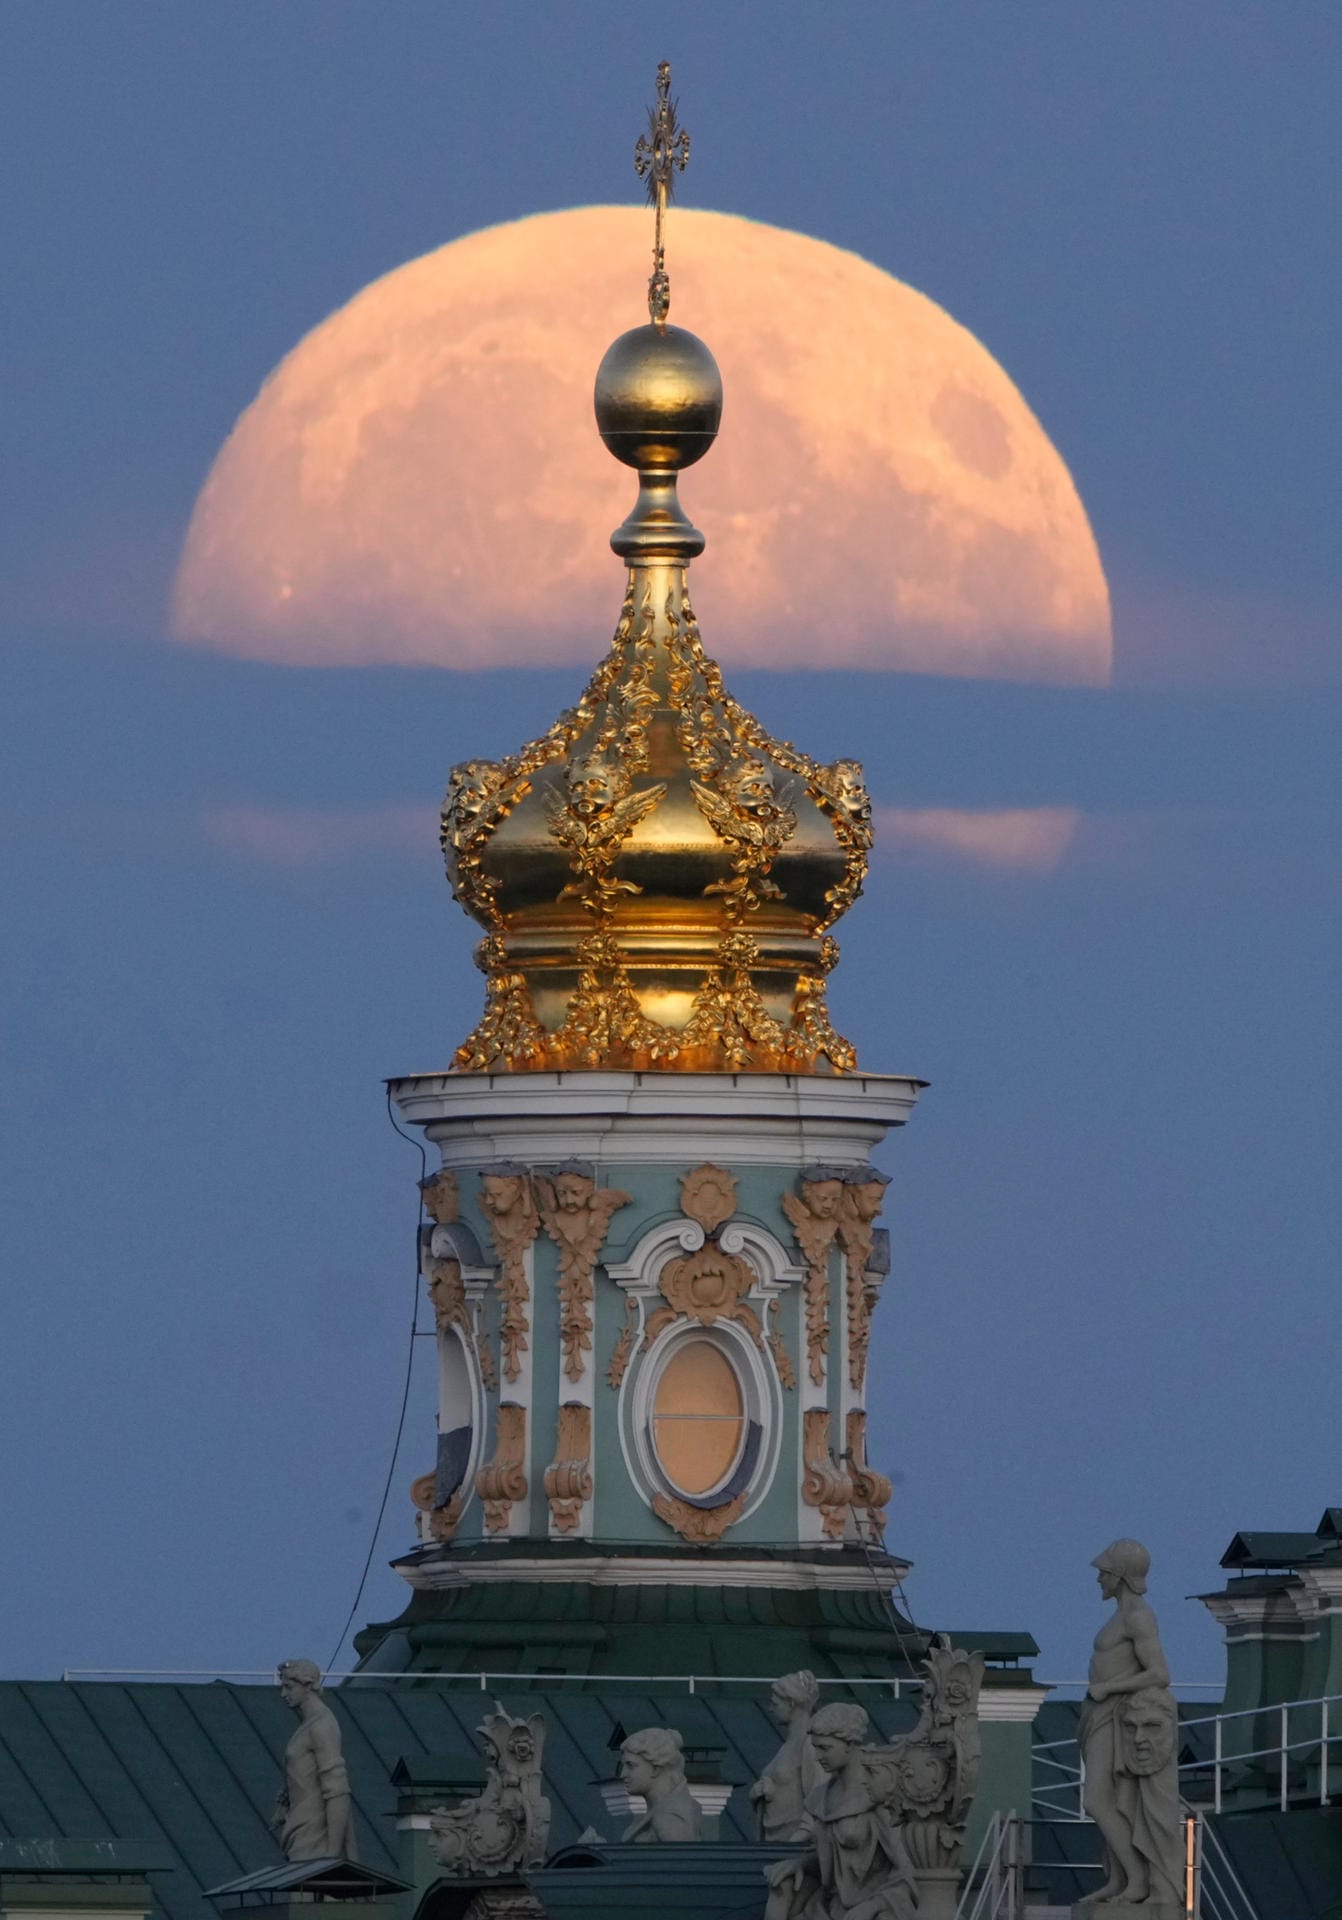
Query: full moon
x=420 y=480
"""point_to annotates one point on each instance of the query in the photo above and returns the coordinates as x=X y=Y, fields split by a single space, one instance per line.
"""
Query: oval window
x=698 y=1417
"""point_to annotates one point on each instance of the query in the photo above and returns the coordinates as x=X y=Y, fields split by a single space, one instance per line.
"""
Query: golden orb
x=658 y=398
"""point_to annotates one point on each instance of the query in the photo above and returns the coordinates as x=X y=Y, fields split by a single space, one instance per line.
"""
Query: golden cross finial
x=660 y=154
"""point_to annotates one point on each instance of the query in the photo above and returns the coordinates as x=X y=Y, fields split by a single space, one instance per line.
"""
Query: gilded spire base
x=656 y=873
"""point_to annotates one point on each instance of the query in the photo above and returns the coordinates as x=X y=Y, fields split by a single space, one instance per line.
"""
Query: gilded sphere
x=658 y=398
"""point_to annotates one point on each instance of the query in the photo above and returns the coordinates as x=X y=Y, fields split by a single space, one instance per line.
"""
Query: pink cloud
x=302 y=837
x=1022 y=839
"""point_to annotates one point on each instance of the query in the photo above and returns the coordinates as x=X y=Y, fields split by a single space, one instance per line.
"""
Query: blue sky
x=1116 y=1213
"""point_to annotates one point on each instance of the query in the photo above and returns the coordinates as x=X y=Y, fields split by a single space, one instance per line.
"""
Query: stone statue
x=652 y=1764
x=507 y=1825
x=1128 y=1747
x=779 y=1795
x=858 y=1865
x=313 y=1817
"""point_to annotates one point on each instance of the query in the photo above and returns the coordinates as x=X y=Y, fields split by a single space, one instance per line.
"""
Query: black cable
x=405 y=1395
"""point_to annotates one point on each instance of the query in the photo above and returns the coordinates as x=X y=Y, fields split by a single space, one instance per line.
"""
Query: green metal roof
x=196 y=1768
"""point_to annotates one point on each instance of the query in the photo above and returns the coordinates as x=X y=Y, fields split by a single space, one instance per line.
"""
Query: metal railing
x=897 y=1687
x=995 y=1886
x=1295 y=1763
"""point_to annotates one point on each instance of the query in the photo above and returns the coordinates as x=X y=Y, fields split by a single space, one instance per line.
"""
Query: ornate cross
x=660 y=154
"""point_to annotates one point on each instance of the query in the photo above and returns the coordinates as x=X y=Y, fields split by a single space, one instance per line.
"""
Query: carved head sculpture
x=1124 y=1563
x=502 y=1193
x=835 y=1731
x=849 y=791
x=441 y=1198
x=652 y=1758
x=794 y=1695
x=866 y=1192
x=596 y=784
x=572 y=1189
x=298 y=1679
x=1148 y=1722
x=823 y=1193
x=753 y=789
x=469 y=787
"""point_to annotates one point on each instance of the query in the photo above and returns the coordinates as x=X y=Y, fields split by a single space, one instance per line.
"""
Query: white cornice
x=619 y=1571
x=634 y=1118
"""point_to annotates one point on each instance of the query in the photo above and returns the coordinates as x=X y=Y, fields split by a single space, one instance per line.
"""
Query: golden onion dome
x=656 y=875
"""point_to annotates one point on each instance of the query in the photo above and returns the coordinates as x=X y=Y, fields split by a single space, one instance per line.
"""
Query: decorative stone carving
x=624 y=1345
x=871 y=1490
x=707 y=1285
x=779 y=1795
x=508 y=1204
x=814 y=1214
x=931 y=1775
x=708 y=1196
x=863 y=1197
x=502 y=1480
x=313 y=1816
x=576 y=1214
x=699 y=1525
x=441 y=1195
x=506 y=1827
x=782 y=1358
x=825 y=1484
x=858 y=1865
x=1129 y=1748
x=442 y=1522
x=652 y=1765
x=568 y=1478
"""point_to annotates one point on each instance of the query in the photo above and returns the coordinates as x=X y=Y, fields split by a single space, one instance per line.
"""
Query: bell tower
x=653 y=1245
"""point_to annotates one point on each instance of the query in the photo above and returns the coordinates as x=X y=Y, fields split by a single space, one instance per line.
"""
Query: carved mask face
x=1109 y=1582
x=468 y=787
x=1148 y=1736
x=851 y=791
x=571 y=1191
x=867 y=1197
x=922 y=1775
x=292 y=1692
x=440 y=1201
x=500 y=1192
x=593 y=786
x=824 y=1198
x=755 y=787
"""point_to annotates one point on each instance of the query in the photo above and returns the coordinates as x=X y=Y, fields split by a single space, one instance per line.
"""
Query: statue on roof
x=779 y=1795
x=313 y=1816
x=507 y=1825
x=1129 y=1748
x=652 y=1765
x=858 y=1866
